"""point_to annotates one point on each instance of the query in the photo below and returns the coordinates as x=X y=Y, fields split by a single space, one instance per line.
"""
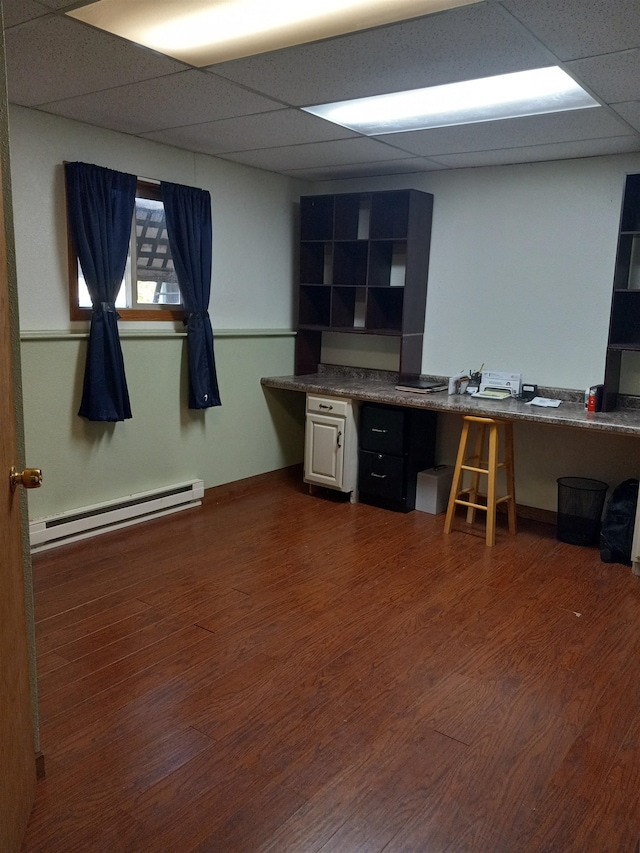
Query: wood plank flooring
x=285 y=672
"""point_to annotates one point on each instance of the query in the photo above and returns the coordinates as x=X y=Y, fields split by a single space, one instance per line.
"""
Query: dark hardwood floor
x=283 y=672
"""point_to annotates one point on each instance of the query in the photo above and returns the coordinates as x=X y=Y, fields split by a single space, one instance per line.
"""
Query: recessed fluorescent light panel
x=524 y=93
x=203 y=32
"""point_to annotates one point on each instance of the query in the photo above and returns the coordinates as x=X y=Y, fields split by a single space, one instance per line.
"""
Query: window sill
x=133 y=315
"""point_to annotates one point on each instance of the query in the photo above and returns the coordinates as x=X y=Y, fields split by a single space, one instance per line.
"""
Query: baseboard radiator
x=89 y=521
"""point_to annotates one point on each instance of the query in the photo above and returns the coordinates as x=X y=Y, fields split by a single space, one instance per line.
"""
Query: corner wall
x=254 y=431
x=521 y=268
x=520 y=278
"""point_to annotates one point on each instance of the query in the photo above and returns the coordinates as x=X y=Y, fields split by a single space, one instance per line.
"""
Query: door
x=324 y=451
x=17 y=753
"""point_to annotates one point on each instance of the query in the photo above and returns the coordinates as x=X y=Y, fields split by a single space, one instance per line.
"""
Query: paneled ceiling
x=248 y=110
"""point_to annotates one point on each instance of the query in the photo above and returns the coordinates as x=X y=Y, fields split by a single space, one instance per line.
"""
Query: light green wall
x=520 y=278
x=254 y=431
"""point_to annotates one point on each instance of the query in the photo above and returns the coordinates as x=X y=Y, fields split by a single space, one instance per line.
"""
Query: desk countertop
x=375 y=387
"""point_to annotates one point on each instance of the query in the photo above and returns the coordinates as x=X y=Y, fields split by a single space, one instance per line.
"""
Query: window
x=149 y=288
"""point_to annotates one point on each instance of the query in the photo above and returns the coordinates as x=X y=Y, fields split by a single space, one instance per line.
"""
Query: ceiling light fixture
x=203 y=32
x=523 y=93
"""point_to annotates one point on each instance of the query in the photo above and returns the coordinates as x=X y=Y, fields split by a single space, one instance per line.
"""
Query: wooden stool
x=478 y=466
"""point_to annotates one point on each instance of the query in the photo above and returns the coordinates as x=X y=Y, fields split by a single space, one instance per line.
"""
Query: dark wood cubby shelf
x=624 y=322
x=364 y=261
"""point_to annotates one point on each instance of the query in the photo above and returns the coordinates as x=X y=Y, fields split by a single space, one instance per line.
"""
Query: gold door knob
x=30 y=478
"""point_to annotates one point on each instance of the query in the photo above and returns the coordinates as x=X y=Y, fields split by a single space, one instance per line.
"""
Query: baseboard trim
x=294 y=473
x=532 y=513
x=239 y=488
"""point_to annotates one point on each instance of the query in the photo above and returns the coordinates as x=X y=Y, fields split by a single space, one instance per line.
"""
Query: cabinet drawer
x=328 y=406
x=381 y=475
x=382 y=430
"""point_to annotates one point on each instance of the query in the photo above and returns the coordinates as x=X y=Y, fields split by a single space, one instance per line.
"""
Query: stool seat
x=470 y=496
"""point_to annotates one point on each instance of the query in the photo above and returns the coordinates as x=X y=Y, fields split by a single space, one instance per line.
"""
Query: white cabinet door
x=324 y=450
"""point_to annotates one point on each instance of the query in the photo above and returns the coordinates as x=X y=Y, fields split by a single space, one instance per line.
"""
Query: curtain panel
x=188 y=216
x=100 y=206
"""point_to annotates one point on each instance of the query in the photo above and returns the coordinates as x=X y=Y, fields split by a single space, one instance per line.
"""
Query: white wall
x=520 y=278
x=523 y=279
x=521 y=268
x=253 y=216
x=254 y=431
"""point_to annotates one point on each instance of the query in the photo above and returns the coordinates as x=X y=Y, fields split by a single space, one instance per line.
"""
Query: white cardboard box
x=432 y=489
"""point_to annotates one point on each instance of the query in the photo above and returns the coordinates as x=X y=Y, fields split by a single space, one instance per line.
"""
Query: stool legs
x=476 y=466
x=457 y=477
x=475 y=475
x=509 y=468
x=492 y=475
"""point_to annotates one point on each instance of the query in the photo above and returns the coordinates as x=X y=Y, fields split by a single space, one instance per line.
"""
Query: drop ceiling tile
x=53 y=57
x=366 y=170
x=141 y=107
x=68 y=68
x=468 y=42
x=513 y=132
x=539 y=153
x=316 y=154
x=578 y=28
x=18 y=11
x=630 y=112
x=266 y=130
x=615 y=77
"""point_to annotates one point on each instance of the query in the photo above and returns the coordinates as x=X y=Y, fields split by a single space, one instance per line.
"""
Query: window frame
x=164 y=313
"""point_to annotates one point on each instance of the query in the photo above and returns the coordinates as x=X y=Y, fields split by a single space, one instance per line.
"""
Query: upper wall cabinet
x=624 y=325
x=364 y=262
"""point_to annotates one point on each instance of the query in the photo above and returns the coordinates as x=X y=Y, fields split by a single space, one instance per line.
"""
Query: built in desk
x=379 y=387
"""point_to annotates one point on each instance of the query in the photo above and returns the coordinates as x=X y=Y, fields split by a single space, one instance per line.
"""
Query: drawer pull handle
x=375 y=429
x=379 y=476
x=339 y=437
x=323 y=406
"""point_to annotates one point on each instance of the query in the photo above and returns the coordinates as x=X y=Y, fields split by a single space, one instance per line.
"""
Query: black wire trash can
x=580 y=506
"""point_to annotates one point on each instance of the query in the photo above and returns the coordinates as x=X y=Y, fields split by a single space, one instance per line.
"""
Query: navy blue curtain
x=188 y=215
x=100 y=208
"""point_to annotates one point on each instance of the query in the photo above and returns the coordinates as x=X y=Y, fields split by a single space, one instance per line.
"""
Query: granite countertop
x=379 y=387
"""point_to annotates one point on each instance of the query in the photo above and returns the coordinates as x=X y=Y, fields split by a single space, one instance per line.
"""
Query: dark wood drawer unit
x=381 y=475
x=395 y=443
x=382 y=429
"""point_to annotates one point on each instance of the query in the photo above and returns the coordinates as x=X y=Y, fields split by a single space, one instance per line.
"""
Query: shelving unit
x=624 y=324
x=364 y=261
